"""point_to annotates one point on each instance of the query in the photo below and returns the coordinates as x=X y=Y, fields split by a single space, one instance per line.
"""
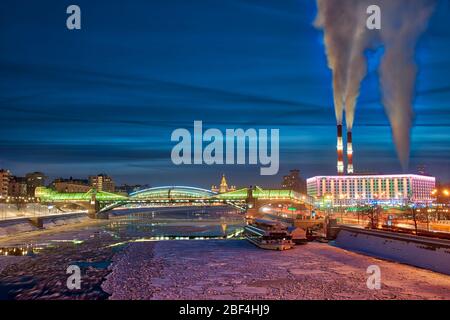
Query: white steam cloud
x=347 y=38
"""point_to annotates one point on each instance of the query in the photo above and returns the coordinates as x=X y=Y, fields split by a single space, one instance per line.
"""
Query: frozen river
x=235 y=269
x=120 y=259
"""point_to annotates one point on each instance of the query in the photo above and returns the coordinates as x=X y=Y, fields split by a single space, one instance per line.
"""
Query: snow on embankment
x=428 y=253
x=17 y=226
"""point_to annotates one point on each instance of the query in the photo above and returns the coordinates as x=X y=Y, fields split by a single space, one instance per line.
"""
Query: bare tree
x=415 y=218
x=373 y=214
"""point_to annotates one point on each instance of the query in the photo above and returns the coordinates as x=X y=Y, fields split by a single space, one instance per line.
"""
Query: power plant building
x=369 y=189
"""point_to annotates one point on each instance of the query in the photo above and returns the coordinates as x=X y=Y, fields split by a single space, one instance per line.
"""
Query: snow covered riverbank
x=234 y=269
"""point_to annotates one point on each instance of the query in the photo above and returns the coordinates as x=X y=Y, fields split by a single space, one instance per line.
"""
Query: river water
x=35 y=266
x=172 y=223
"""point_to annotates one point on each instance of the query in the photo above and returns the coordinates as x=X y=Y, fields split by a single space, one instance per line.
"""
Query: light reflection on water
x=19 y=250
x=30 y=249
x=154 y=224
x=173 y=223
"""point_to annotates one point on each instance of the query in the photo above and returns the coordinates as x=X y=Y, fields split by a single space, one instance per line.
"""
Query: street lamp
x=437 y=196
x=327 y=199
x=341 y=206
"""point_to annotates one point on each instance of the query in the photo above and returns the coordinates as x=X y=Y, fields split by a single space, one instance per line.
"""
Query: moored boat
x=269 y=234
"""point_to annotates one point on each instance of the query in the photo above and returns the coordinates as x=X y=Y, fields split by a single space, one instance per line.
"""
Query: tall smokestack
x=340 y=151
x=347 y=38
x=349 y=153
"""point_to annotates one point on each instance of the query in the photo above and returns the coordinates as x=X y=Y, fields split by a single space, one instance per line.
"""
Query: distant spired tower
x=223 y=185
x=340 y=151
x=349 y=153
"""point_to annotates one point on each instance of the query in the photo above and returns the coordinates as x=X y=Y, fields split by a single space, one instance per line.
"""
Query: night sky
x=106 y=98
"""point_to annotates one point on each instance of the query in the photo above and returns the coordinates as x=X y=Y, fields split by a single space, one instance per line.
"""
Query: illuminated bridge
x=100 y=202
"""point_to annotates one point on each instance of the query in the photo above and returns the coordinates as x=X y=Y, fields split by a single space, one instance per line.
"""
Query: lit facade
x=293 y=181
x=34 y=180
x=5 y=176
x=71 y=185
x=102 y=182
x=223 y=187
x=17 y=187
x=364 y=189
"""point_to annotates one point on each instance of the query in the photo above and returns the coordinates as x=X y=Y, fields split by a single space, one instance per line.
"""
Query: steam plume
x=347 y=38
x=338 y=46
x=401 y=30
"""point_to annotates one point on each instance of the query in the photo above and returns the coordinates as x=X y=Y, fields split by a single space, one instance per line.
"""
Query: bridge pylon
x=252 y=208
x=94 y=208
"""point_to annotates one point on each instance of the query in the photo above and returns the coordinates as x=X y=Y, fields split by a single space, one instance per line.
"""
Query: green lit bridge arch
x=259 y=193
x=173 y=193
x=47 y=195
x=102 y=202
x=176 y=195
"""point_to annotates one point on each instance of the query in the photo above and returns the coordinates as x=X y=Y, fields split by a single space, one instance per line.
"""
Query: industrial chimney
x=340 y=151
x=349 y=153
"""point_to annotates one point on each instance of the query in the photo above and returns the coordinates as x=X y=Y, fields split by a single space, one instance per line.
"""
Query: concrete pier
x=428 y=253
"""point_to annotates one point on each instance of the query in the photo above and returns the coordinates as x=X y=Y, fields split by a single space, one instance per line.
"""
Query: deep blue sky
x=106 y=98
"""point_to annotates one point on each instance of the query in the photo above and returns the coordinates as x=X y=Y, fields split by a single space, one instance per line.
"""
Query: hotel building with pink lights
x=368 y=189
